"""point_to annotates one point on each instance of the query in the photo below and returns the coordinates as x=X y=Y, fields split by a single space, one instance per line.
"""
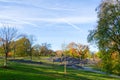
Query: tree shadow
x=53 y=72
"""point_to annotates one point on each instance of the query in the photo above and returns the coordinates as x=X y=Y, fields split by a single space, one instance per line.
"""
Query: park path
x=100 y=72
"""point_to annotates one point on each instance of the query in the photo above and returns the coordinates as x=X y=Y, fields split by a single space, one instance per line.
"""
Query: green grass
x=46 y=71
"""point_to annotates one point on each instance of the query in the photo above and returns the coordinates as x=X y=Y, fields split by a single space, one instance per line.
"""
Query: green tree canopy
x=107 y=34
x=22 y=47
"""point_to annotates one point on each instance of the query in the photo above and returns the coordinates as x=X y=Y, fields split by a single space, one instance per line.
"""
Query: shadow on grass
x=22 y=76
x=41 y=71
x=46 y=71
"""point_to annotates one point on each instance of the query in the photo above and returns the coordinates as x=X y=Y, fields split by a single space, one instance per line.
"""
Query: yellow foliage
x=10 y=54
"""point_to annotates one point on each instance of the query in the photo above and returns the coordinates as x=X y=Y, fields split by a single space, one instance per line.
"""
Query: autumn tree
x=78 y=50
x=1 y=50
x=7 y=35
x=13 y=48
x=44 y=49
x=82 y=51
x=107 y=33
x=72 y=49
x=22 y=47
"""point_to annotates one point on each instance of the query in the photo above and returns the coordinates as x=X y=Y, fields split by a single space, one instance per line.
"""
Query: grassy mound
x=46 y=71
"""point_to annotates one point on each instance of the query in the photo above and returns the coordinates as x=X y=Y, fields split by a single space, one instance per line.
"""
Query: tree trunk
x=5 y=60
x=31 y=55
x=14 y=54
x=65 y=66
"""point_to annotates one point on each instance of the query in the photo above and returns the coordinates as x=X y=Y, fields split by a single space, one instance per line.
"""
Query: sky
x=52 y=21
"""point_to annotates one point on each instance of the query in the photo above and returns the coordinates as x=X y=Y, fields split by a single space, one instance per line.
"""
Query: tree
x=22 y=47
x=7 y=35
x=44 y=49
x=31 y=40
x=64 y=54
x=13 y=48
x=36 y=50
x=72 y=49
x=82 y=51
x=59 y=53
x=78 y=50
x=108 y=29
x=1 y=51
x=107 y=33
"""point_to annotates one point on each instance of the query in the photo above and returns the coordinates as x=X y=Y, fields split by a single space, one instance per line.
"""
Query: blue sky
x=51 y=21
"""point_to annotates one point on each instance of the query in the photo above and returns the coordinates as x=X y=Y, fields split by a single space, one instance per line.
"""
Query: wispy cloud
x=12 y=21
x=16 y=3
x=53 y=14
x=75 y=20
x=30 y=21
x=60 y=9
x=74 y=26
x=31 y=5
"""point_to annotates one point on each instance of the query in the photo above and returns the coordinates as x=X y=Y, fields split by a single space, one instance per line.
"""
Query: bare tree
x=44 y=49
x=7 y=35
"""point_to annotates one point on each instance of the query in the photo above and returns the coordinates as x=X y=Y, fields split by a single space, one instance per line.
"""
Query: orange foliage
x=10 y=54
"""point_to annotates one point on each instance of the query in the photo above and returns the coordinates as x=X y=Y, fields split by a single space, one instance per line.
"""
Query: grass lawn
x=46 y=71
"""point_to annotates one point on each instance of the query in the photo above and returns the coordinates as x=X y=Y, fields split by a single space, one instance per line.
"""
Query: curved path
x=97 y=71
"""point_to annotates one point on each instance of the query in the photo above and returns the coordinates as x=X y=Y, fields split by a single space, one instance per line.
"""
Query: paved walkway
x=93 y=70
x=96 y=71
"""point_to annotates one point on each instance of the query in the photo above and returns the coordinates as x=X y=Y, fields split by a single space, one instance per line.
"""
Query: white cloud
x=53 y=13
x=74 y=26
x=25 y=16
x=60 y=9
x=75 y=20
x=15 y=21
x=19 y=19
x=72 y=21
